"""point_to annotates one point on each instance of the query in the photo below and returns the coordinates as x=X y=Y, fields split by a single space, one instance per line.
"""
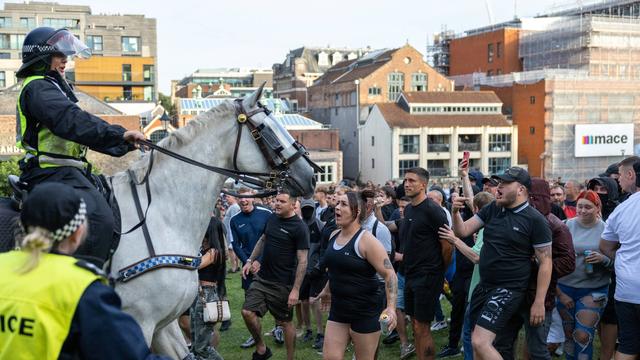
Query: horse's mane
x=175 y=140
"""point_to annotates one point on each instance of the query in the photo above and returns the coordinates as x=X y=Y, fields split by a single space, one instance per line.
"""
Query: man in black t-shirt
x=283 y=247
x=513 y=232
x=423 y=260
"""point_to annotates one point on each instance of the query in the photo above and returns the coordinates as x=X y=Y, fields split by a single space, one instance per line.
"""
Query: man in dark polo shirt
x=513 y=232
x=276 y=286
x=424 y=264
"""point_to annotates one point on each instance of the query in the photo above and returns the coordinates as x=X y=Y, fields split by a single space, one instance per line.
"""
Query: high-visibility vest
x=51 y=150
x=37 y=307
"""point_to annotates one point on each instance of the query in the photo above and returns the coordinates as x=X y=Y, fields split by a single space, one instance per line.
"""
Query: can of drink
x=384 y=324
x=588 y=268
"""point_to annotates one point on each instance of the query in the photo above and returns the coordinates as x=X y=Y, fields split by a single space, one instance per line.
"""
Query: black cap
x=55 y=207
x=515 y=173
x=490 y=181
x=612 y=169
x=595 y=181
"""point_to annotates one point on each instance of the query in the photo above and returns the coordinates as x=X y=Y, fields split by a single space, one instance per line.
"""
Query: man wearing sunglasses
x=513 y=232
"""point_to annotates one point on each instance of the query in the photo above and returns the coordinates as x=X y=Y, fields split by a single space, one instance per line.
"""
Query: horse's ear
x=251 y=100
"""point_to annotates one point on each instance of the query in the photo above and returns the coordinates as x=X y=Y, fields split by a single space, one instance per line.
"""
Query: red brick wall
x=470 y=54
x=318 y=139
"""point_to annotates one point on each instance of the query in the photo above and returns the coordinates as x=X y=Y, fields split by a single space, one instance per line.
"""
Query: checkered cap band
x=78 y=219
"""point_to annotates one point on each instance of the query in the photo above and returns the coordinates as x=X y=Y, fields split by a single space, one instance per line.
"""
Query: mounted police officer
x=53 y=306
x=56 y=133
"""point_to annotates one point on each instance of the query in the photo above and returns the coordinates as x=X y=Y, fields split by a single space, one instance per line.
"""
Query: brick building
x=432 y=130
x=344 y=95
x=302 y=67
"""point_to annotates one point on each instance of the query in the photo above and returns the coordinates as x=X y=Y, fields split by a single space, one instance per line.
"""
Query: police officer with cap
x=55 y=133
x=53 y=306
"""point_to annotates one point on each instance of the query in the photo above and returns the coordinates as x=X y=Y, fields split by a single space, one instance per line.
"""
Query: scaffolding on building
x=624 y=8
x=438 y=53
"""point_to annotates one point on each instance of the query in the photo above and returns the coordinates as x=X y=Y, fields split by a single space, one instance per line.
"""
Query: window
x=61 y=23
x=3 y=79
x=438 y=143
x=130 y=44
x=328 y=173
x=27 y=22
x=499 y=72
x=498 y=165
x=126 y=72
x=158 y=135
x=147 y=72
x=374 y=91
x=532 y=130
x=373 y=141
x=373 y=163
x=5 y=56
x=469 y=142
x=94 y=42
x=405 y=165
x=11 y=41
x=396 y=85
x=499 y=142
x=498 y=49
x=490 y=53
x=409 y=144
x=5 y=22
x=419 y=82
x=127 y=93
x=148 y=93
x=323 y=59
x=438 y=167
x=489 y=72
x=532 y=100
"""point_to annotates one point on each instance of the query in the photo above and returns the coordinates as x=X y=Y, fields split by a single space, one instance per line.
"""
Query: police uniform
x=55 y=134
x=61 y=309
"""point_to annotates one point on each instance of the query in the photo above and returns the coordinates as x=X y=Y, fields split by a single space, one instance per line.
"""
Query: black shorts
x=421 y=295
x=312 y=286
x=366 y=325
x=263 y=296
x=628 y=327
x=491 y=308
x=305 y=288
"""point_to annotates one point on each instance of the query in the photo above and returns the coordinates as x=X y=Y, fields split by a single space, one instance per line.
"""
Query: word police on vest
x=11 y=323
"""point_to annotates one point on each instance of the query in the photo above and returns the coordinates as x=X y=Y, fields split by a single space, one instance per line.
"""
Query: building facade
x=432 y=130
x=223 y=82
x=302 y=67
x=344 y=95
x=123 y=66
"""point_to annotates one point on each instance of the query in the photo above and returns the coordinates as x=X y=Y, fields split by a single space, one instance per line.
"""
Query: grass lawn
x=231 y=339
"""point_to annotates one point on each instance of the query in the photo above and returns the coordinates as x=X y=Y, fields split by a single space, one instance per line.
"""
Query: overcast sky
x=196 y=34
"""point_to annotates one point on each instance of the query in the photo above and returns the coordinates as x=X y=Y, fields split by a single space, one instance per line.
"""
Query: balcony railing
x=438 y=147
x=469 y=146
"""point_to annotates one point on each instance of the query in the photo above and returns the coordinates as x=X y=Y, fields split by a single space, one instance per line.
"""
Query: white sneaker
x=439 y=325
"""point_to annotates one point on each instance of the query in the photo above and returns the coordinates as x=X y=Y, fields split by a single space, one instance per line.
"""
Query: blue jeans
x=466 y=335
x=581 y=321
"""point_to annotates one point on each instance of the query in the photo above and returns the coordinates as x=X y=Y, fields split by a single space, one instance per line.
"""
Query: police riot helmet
x=43 y=42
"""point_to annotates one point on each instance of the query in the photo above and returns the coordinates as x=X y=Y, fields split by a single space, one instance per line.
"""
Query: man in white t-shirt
x=621 y=241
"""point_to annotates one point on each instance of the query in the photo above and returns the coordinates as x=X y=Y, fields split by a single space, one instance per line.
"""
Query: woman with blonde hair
x=53 y=305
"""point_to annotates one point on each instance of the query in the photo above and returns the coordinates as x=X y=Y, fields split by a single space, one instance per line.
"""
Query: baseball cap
x=515 y=173
x=490 y=181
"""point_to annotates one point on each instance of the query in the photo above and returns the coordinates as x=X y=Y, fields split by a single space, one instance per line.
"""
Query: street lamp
x=165 y=120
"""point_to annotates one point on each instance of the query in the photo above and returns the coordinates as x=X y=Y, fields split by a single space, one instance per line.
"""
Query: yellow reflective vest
x=51 y=150
x=36 y=308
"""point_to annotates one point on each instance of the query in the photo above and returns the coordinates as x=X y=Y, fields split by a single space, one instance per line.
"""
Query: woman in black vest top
x=352 y=258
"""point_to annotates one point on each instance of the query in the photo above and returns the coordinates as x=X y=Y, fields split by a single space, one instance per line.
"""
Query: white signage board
x=603 y=140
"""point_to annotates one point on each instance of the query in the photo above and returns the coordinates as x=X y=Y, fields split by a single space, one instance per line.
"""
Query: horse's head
x=282 y=155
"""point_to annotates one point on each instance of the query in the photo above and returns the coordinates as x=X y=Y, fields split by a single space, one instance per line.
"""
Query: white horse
x=183 y=199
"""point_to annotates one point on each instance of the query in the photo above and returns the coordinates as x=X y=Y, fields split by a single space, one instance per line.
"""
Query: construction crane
x=489 y=12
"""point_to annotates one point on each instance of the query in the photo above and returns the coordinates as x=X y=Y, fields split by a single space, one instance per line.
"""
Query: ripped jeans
x=581 y=321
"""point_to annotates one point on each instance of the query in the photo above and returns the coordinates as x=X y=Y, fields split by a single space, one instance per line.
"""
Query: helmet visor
x=66 y=43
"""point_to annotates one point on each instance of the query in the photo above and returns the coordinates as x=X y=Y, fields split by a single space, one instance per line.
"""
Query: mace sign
x=604 y=140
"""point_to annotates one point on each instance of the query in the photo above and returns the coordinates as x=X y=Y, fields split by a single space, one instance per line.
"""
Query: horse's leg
x=169 y=341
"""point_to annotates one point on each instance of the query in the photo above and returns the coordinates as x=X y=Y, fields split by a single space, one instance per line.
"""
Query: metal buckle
x=256 y=134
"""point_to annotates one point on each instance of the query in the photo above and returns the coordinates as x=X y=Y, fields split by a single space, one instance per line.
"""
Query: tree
x=7 y=167
x=166 y=103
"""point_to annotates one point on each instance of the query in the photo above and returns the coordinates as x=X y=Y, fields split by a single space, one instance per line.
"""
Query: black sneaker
x=448 y=352
x=319 y=343
x=225 y=325
x=308 y=336
x=391 y=338
x=267 y=354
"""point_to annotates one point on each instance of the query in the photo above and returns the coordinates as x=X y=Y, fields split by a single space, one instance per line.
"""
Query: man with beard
x=558 y=206
x=513 y=232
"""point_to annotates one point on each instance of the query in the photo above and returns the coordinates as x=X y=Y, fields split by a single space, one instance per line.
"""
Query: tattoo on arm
x=392 y=290
x=257 y=250
x=543 y=253
x=301 y=269
x=387 y=264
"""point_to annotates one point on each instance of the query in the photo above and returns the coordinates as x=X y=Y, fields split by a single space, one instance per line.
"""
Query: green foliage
x=7 y=167
x=165 y=101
